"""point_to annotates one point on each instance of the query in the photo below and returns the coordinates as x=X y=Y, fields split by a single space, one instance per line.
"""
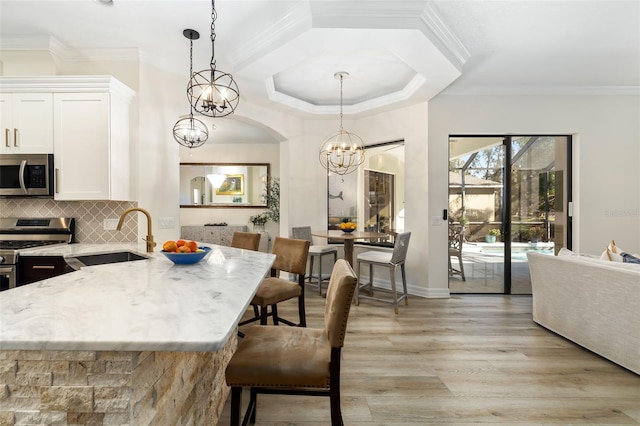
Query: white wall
x=606 y=185
x=410 y=124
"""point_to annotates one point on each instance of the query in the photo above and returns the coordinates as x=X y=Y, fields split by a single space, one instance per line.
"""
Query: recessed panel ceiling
x=372 y=73
x=283 y=53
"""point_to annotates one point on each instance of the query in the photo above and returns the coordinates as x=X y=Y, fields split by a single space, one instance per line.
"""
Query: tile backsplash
x=89 y=216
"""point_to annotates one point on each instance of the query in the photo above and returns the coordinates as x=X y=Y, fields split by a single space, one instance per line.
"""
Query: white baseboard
x=430 y=293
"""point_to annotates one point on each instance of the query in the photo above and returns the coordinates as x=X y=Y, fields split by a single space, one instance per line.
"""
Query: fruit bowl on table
x=187 y=258
x=348 y=227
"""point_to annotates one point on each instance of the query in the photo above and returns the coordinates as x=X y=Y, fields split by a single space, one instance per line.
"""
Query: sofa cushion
x=599 y=261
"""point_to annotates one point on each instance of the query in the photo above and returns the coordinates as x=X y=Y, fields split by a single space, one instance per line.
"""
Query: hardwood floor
x=464 y=360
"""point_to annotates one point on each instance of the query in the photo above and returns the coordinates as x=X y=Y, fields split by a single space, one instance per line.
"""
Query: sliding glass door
x=539 y=194
x=507 y=197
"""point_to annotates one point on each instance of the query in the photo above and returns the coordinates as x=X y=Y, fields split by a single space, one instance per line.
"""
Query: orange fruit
x=180 y=243
x=193 y=246
x=169 y=246
x=184 y=249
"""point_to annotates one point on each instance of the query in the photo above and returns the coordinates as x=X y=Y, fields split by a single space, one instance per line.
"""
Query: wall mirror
x=212 y=185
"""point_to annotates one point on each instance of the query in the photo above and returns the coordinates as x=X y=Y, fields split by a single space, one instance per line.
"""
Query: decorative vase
x=490 y=238
x=258 y=227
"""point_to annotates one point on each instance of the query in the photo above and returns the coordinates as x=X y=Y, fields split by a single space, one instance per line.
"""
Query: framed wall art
x=232 y=185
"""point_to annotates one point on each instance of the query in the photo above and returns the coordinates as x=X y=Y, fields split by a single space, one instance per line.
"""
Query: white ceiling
x=284 y=53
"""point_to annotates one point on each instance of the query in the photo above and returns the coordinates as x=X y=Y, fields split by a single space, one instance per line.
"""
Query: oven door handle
x=23 y=166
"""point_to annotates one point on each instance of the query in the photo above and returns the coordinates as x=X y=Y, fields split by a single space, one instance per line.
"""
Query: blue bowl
x=347 y=230
x=187 y=258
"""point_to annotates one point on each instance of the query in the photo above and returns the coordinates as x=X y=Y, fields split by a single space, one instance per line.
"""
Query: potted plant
x=537 y=234
x=271 y=197
x=494 y=233
x=258 y=221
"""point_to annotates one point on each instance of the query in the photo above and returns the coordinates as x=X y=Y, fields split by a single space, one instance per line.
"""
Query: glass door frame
x=506 y=212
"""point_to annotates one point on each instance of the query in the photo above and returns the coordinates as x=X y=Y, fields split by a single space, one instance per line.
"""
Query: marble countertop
x=150 y=305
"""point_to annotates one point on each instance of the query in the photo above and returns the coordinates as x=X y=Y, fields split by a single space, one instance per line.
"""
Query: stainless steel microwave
x=26 y=175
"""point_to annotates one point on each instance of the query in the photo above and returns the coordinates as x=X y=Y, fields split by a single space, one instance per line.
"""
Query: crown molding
x=381 y=101
x=295 y=22
x=542 y=90
x=66 y=84
x=449 y=44
x=64 y=53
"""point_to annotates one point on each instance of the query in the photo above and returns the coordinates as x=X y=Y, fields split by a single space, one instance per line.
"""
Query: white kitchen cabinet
x=91 y=146
x=26 y=123
x=87 y=124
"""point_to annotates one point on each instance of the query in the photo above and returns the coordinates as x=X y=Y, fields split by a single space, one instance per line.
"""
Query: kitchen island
x=136 y=343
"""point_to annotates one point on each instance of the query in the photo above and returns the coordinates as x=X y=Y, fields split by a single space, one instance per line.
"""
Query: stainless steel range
x=19 y=234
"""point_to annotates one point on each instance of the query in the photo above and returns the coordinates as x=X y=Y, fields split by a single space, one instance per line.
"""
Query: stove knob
x=1 y=259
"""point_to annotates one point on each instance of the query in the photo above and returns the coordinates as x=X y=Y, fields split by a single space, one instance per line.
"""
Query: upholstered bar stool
x=388 y=260
x=316 y=251
x=295 y=361
x=245 y=240
x=291 y=256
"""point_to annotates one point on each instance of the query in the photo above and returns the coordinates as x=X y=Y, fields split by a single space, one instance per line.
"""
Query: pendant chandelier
x=342 y=152
x=212 y=92
x=189 y=131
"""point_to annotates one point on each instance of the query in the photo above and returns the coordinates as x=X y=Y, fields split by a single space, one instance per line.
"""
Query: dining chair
x=456 y=239
x=388 y=260
x=295 y=361
x=291 y=257
x=316 y=251
x=246 y=240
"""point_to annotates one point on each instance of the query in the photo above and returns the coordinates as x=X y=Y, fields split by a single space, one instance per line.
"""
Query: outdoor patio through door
x=508 y=195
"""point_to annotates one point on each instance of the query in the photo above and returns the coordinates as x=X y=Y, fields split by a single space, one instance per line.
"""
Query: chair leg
x=393 y=288
x=320 y=275
x=334 y=389
x=263 y=315
x=301 y=310
x=461 y=268
x=236 y=400
x=358 y=283
x=404 y=285
x=371 y=279
x=274 y=314
x=253 y=405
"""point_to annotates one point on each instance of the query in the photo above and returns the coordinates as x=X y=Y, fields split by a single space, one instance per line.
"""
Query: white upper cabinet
x=91 y=147
x=27 y=123
x=88 y=127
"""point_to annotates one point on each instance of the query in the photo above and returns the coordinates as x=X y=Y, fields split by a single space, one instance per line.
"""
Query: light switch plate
x=166 y=223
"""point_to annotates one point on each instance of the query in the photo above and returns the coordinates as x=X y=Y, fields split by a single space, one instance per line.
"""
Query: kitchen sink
x=101 y=259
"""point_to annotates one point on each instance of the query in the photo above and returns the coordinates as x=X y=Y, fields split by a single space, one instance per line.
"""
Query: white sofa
x=592 y=302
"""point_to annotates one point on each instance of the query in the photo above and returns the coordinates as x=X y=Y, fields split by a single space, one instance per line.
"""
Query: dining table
x=348 y=239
